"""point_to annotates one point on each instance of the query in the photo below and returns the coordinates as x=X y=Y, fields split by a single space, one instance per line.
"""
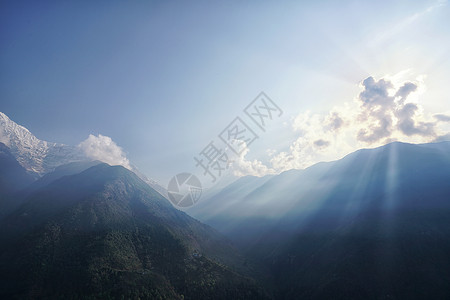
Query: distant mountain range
x=338 y=185
x=373 y=225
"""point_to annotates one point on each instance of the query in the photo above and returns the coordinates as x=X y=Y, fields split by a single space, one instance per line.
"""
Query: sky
x=155 y=82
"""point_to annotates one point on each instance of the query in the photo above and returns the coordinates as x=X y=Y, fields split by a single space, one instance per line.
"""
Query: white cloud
x=385 y=110
x=103 y=148
x=392 y=117
x=442 y=117
x=320 y=144
x=271 y=152
x=242 y=167
x=334 y=121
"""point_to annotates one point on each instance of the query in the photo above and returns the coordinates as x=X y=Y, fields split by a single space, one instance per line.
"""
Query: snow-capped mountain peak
x=40 y=157
x=35 y=155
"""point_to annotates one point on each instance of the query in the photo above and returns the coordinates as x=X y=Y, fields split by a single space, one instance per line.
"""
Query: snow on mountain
x=40 y=157
x=36 y=156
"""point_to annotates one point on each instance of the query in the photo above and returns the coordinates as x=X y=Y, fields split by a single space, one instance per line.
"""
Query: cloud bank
x=103 y=148
x=242 y=167
x=381 y=113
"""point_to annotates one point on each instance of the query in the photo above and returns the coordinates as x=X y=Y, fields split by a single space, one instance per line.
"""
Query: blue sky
x=163 y=78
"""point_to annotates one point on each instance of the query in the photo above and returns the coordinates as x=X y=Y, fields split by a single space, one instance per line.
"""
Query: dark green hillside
x=103 y=234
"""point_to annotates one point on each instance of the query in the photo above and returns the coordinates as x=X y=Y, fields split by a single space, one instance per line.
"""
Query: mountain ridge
x=373 y=225
x=110 y=222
